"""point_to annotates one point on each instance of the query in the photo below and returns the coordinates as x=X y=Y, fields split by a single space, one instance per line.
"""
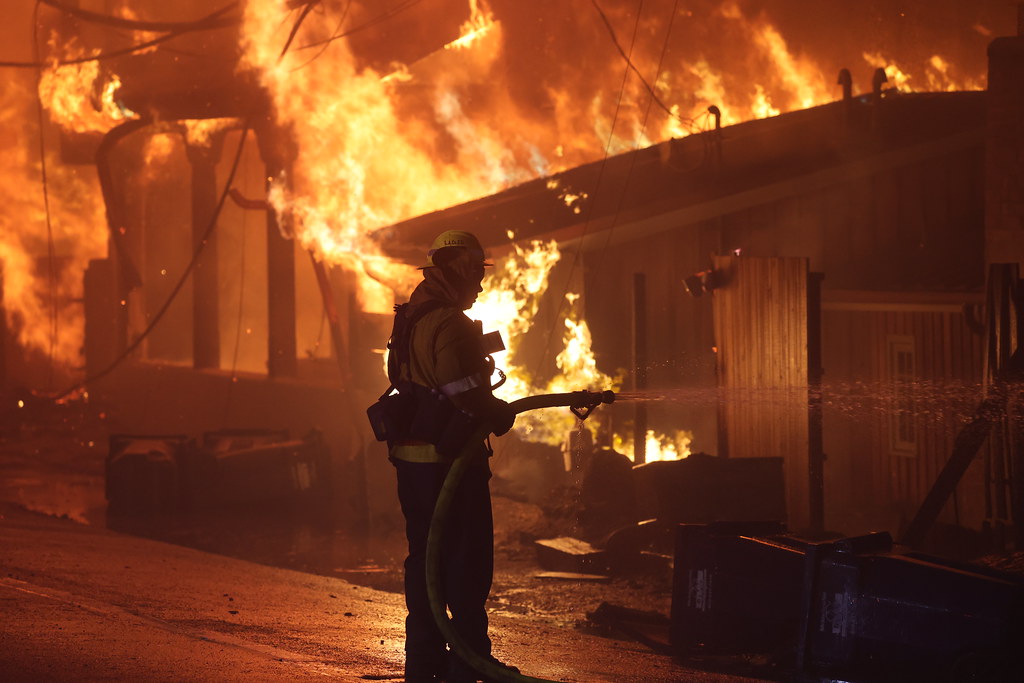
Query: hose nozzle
x=581 y=403
x=584 y=402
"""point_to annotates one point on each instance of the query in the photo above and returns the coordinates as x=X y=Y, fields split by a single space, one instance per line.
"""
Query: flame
x=200 y=132
x=942 y=77
x=762 y=106
x=157 y=149
x=360 y=164
x=897 y=78
x=36 y=288
x=480 y=22
x=509 y=303
x=78 y=97
x=675 y=446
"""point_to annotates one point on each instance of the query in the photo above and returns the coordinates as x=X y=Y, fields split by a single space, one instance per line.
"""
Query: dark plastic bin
x=736 y=589
x=265 y=469
x=142 y=474
x=884 y=616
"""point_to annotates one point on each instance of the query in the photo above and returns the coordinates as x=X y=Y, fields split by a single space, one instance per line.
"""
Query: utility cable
x=112 y=54
x=241 y=308
x=181 y=281
x=327 y=44
x=597 y=183
x=635 y=70
x=212 y=20
x=296 y=26
x=99 y=56
x=370 y=23
x=50 y=255
x=643 y=130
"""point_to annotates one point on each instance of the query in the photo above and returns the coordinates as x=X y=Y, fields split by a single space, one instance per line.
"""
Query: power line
x=600 y=171
x=181 y=281
x=211 y=19
x=50 y=256
x=99 y=56
x=370 y=23
x=643 y=129
x=654 y=95
x=323 y=48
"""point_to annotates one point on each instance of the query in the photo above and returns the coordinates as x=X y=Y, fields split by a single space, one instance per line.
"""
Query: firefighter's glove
x=503 y=417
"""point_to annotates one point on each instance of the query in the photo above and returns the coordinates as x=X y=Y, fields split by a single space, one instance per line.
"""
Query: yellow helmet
x=455 y=238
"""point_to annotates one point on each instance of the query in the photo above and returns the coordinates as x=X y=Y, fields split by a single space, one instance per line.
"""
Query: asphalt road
x=81 y=603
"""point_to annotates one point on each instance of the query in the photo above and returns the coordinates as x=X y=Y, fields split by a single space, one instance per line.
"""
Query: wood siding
x=760 y=318
x=871 y=483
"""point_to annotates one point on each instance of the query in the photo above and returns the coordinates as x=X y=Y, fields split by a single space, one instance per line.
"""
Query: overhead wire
x=600 y=174
x=323 y=48
x=184 y=276
x=380 y=18
x=628 y=58
x=241 y=307
x=643 y=129
x=296 y=26
x=100 y=56
x=173 y=30
x=140 y=25
x=51 y=259
x=207 y=233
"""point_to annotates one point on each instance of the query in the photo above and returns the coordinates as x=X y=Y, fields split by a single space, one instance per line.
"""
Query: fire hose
x=581 y=403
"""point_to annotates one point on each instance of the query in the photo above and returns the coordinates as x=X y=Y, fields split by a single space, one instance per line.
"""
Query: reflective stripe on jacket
x=445 y=354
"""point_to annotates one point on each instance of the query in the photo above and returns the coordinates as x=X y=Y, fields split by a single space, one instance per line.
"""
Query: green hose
x=483 y=665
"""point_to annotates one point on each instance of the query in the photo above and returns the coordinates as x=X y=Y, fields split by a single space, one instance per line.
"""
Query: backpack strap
x=401 y=340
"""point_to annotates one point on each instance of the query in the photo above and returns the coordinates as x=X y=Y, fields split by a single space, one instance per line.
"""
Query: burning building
x=236 y=198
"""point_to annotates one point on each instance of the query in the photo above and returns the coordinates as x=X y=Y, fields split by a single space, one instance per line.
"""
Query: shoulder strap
x=401 y=338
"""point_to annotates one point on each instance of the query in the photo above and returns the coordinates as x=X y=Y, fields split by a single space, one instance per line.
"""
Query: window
x=901 y=363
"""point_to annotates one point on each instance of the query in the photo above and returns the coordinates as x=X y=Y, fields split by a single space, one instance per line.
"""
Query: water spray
x=582 y=404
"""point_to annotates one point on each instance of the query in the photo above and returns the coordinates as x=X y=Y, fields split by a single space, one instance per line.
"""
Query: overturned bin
x=879 y=615
x=853 y=609
x=736 y=589
x=253 y=466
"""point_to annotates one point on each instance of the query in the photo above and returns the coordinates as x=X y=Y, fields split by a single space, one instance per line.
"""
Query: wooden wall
x=760 y=314
x=897 y=234
x=873 y=478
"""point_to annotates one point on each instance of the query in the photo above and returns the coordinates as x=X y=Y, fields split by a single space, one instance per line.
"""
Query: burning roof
x=401 y=111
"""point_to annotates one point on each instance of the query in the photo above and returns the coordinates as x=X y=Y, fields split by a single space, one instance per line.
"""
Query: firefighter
x=437 y=356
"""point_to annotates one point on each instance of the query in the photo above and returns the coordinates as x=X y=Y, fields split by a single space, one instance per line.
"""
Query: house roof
x=685 y=180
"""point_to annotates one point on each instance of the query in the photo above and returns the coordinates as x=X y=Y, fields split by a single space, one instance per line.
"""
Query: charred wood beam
x=277 y=150
x=115 y=211
x=205 y=290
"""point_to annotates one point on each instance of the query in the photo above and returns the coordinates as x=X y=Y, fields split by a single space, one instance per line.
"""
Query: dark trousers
x=467 y=564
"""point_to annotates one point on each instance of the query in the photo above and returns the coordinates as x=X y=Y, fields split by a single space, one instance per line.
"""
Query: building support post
x=639 y=367
x=205 y=286
x=277 y=152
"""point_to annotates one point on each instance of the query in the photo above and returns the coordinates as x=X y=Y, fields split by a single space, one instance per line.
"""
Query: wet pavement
x=267 y=594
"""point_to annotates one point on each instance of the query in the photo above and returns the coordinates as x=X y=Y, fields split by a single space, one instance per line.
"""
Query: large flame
x=360 y=164
x=78 y=97
x=524 y=92
x=42 y=278
x=509 y=303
